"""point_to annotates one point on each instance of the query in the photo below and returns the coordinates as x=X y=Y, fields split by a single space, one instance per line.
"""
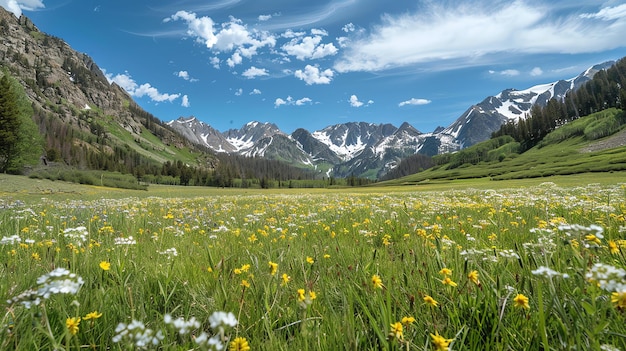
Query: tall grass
x=320 y=271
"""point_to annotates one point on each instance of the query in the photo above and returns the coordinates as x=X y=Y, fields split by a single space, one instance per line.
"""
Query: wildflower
x=408 y=320
x=396 y=331
x=473 y=277
x=239 y=344
x=445 y=272
x=310 y=260
x=305 y=299
x=448 y=281
x=286 y=279
x=613 y=248
x=592 y=239
x=548 y=272
x=619 y=299
x=92 y=315
x=35 y=256
x=245 y=283
x=273 y=267
x=105 y=265
x=430 y=301
x=222 y=318
x=180 y=324
x=441 y=343
x=377 y=282
x=72 y=325
x=521 y=301
x=136 y=332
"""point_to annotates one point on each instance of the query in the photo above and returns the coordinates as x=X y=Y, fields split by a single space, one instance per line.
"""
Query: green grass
x=327 y=241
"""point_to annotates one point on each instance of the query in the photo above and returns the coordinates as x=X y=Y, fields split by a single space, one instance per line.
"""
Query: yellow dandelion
x=396 y=331
x=592 y=239
x=239 y=344
x=430 y=301
x=273 y=267
x=377 y=282
x=521 y=301
x=613 y=248
x=105 y=266
x=245 y=283
x=310 y=260
x=440 y=343
x=301 y=295
x=72 y=325
x=312 y=295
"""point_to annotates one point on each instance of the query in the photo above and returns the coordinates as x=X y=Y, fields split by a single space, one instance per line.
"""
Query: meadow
x=534 y=267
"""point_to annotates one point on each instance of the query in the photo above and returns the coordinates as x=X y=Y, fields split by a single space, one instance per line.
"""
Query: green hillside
x=595 y=143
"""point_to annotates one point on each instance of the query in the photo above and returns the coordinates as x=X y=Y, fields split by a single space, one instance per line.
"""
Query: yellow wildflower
x=92 y=315
x=408 y=320
x=310 y=260
x=613 y=248
x=473 y=277
x=301 y=295
x=448 y=281
x=377 y=282
x=72 y=325
x=430 y=301
x=441 y=343
x=105 y=265
x=521 y=301
x=273 y=267
x=396 y=331
x=245 y=283
x=619 y=299
x=286 y=279
x=445 y=272
x=239 y=344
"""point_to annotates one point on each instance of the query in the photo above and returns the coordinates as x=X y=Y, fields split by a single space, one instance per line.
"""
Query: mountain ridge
x=371 y=149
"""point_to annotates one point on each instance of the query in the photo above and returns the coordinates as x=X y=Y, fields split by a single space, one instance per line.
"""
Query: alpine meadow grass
x=533 y=268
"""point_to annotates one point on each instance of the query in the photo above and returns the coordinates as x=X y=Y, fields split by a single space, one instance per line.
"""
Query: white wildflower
x=547 y=272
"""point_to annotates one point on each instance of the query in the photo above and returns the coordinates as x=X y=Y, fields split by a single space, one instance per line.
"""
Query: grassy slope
x=563 y=157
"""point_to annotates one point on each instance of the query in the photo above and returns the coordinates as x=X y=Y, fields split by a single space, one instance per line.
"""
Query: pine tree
x=9 y=124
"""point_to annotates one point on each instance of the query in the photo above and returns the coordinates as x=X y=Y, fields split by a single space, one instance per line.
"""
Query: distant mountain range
x=371 y=150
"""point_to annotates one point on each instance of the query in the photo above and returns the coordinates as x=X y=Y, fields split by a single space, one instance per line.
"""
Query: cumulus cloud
x=510 y=72
x=16 y=6
x=255 y=92
x=226 y=37
x=414 y=101
x=291 y=101
x=350 y=27
x=265 y=17
x=238 y=92
x=254 y=72
x=309 y=47
x=312 y=75
x=447 y=34
x=354 y=101
x=185 y=102
x=537 y=71
x=128 y=83
x=185 y=75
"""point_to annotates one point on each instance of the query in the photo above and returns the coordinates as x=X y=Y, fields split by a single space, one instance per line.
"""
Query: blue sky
x=311 y=64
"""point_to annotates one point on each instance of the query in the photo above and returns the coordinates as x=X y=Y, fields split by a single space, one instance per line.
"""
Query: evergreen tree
x=9 y=124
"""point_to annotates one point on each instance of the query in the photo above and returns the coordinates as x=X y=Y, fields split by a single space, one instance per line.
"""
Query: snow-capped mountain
x=370 y=150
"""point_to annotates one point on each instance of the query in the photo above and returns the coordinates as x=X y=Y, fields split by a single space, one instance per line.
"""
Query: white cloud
x=312 y=75
x=414 y=101
x=354 y=102
x=229 y=36
x=255 y=92
x=510 y=72
x=310 y=47
x=290 y=101
x=537 y=71
x=185 y=75
x=234 y=60
x=185 y=102
x=448 y=34
x=263 y=18
x=254 y=72
x=350 y=27
x=215 y=62
x=607 y=13
x=16 y=6
x=238 y=92
x=128 y=83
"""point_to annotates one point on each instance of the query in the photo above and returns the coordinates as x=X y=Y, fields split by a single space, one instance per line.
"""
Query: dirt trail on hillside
x=615 y=140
